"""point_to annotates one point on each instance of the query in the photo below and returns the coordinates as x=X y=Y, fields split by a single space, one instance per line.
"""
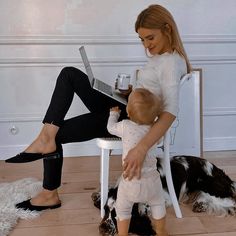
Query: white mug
x=123 y=81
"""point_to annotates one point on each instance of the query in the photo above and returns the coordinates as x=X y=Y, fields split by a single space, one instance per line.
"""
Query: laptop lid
x=87 y=65
x=95 y=82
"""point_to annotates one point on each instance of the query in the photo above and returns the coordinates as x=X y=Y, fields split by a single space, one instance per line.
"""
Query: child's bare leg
x=160 y=226
x=123 y=227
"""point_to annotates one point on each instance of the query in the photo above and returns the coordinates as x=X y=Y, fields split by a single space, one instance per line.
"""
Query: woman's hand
x=133 y=162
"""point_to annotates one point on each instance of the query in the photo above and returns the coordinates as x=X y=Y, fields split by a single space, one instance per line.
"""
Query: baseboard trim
x=219 y=144
x=89 y=148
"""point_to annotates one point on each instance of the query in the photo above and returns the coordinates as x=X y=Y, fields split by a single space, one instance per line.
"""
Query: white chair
x=109 y=144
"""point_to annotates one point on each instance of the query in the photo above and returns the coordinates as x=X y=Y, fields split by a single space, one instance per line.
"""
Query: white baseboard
x=90 y=149
x=10 y=150
x=219 y=144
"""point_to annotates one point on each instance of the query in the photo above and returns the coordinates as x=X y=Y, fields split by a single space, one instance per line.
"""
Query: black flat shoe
x=26 y=205
x=24 y=157
x=51 y=155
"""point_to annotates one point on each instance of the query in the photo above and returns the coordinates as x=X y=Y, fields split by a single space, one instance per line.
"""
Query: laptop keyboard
x=104 y=87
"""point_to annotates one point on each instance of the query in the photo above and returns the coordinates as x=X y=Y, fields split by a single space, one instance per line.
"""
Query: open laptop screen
x=86 y=64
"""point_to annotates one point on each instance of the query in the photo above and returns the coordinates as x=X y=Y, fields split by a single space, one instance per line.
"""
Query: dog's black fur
x=196 y=181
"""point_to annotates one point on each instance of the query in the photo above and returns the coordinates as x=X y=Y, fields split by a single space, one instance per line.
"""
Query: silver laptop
x=98 y=84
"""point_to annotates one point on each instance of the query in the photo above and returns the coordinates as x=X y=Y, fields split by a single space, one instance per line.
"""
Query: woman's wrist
x=142 y=149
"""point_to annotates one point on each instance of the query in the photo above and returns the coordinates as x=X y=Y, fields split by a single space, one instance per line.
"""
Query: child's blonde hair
x=143 y=106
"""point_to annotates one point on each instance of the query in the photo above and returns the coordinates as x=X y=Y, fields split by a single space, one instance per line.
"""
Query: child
x=143 y=109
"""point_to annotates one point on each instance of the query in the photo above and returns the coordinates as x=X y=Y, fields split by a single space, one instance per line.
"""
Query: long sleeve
x=113 y=126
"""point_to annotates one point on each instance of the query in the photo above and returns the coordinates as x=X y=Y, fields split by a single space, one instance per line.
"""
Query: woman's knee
x=70 y=71
x=71 y=75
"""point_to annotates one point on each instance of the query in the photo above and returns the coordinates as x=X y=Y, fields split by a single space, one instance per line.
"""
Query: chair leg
x=104 y=177
x=169 y=180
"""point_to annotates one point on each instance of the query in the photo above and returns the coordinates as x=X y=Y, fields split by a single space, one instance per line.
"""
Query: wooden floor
x=78 y=216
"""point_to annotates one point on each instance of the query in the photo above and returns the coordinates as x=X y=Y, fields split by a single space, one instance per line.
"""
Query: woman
x=168 y=63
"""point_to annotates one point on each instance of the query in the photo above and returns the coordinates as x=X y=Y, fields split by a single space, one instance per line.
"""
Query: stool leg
x=169 y=175
x=104 y=177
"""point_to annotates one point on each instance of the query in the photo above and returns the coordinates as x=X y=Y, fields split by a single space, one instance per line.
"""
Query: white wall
x=39 y=37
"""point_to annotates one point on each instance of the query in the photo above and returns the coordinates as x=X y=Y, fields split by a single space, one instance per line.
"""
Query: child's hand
x=116 y=109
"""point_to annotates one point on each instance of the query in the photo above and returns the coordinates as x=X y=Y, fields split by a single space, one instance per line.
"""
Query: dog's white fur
x=211 y=204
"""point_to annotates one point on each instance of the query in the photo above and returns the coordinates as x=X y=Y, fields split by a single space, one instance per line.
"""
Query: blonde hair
x=143 y=106
x=158 y=17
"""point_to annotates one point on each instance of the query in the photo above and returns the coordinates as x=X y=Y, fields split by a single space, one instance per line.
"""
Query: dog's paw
x=96 y=197
x=200 y=207
x=232 y=211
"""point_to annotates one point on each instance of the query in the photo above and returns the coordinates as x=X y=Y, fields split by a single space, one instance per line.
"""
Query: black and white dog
x=196 y=181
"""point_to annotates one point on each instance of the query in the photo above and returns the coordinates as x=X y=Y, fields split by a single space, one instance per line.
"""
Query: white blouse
x=161 y=75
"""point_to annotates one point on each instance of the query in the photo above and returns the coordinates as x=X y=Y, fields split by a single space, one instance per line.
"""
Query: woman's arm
x=135 y=157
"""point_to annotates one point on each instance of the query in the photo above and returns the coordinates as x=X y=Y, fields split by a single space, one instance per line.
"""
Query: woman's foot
x=45 y=142
x=24 y=157
x=43 y=201
x=46 y=198
x=27 y=206
x=41 y=145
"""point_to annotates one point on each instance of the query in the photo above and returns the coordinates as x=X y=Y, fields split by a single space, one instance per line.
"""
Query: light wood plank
x=78 y=216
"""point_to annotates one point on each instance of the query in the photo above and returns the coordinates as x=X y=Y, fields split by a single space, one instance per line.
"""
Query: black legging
x=77 y=129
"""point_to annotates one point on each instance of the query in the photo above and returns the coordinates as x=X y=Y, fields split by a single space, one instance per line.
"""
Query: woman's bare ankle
x=45 y=142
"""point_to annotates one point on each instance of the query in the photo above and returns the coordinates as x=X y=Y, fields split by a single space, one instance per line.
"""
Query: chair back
x=185 y=132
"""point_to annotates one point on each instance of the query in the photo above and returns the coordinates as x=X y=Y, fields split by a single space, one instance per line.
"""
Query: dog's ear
x=108 y=225
x=141 y=225
x=112 y=193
